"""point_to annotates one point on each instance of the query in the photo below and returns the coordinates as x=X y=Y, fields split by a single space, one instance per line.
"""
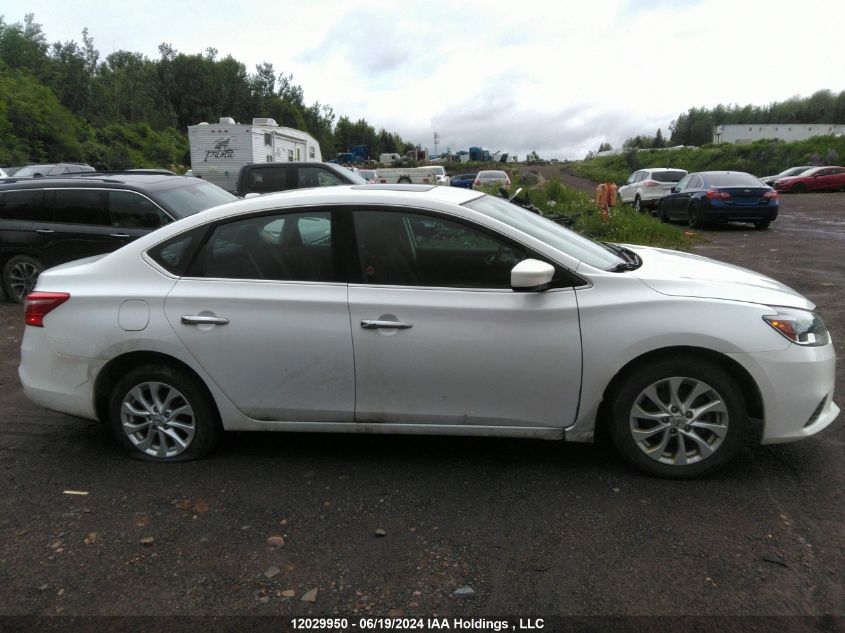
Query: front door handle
x=196 y=319
x=122 y=236
x=371 y=324
x=44 y=231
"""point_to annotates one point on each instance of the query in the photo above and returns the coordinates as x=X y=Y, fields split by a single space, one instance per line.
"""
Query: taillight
x=507 y=183
x=40 y=304
x=477 y=183
x=718 y=195
x=771 y=195
x=651 y=183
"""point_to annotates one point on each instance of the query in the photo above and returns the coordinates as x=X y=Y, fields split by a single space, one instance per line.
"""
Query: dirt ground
x=532 y=528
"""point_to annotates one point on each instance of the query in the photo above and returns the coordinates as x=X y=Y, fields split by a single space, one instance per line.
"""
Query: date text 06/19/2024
x=416 y=624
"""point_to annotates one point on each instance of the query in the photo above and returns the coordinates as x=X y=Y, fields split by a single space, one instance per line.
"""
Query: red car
x=816 y=179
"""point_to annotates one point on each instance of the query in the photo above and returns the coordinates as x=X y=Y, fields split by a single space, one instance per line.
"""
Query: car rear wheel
x=799 y=188
x=163 y=414
x=19 y=276
x=638 y=205
x=762 y=225
x=404 y=180
x=694 y=216
x=678 y=418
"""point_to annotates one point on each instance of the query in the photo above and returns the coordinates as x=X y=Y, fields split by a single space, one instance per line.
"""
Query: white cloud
x=558 y=77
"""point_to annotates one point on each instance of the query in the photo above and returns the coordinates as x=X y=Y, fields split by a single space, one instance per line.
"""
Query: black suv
x=267 y=177
x=52 y=220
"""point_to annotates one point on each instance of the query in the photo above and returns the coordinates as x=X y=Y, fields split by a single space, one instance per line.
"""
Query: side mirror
x=531 y=275
x=674 y=190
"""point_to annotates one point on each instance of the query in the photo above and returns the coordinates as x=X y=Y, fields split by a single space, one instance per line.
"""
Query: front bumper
x=796 y=385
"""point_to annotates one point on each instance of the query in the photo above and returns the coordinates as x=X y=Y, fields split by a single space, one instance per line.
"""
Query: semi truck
x=219 y=150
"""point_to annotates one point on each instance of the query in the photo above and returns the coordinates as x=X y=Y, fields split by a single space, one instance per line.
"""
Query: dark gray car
x=269 y=177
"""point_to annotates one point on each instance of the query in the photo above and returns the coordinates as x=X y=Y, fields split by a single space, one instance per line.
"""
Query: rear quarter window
x=175 y=254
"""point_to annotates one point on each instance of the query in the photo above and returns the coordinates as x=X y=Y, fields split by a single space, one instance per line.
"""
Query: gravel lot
x=534 y=528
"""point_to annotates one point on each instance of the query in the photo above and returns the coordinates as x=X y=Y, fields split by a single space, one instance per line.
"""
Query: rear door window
x=316 y=177
x=284 y=247
x=25 y=204
x=130 y=210
x=267 y=179
x=80 y=206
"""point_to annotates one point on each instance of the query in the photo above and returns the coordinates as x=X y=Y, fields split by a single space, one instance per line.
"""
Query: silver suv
x=646 y=186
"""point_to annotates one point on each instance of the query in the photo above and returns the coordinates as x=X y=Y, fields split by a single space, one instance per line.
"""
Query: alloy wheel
x=22 y=278
x=157 y=419
x=679 y=421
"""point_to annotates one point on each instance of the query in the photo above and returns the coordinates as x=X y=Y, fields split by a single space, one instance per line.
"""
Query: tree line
x=61 y=102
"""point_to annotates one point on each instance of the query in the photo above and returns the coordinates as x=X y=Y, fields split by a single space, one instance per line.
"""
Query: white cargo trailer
x=219 y=150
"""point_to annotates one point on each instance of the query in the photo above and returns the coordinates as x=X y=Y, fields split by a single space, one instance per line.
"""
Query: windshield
x=548 y=232
x=187 y=198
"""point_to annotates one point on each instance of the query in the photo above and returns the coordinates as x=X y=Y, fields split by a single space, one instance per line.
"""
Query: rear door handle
x=44 y=231
x=196 y=319
x=120 y=235
x=371 y=324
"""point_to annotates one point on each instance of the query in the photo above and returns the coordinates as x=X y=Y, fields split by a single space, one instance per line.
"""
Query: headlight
x=799 y=326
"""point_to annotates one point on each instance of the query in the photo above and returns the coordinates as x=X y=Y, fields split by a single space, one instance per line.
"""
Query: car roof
x=661 y=169
x=140 y=180
x=382 y=194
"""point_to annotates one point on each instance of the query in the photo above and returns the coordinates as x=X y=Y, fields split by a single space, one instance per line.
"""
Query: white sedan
x=423 y=310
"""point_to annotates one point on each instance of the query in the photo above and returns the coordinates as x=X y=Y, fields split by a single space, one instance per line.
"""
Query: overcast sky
x=556 y=77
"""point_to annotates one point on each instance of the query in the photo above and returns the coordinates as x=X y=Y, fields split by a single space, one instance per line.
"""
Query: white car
x=423 y=310
x=489 y=177
x=645 y=187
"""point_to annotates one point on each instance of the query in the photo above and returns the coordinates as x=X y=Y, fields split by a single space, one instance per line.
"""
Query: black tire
x=638 y=204
x=204 y=418
x=799 y=188
x=661 y=213
x=762 y=225
x=733 y=425
x=19 y=276
x=404 y=180
x=694 y=216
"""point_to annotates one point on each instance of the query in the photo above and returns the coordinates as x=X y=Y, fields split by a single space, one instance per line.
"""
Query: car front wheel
x=661 y=212
x=163 y=414
x=678 y=418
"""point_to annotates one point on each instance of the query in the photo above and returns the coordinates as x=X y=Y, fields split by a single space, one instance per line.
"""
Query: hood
x=686 y=275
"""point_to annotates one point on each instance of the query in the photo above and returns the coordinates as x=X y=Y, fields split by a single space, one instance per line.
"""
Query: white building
x=748 y=133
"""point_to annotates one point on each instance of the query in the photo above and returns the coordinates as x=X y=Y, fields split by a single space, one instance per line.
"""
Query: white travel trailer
x=219 y=150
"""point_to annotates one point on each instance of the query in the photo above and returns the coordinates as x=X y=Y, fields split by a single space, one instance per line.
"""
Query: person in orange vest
x=606 y=198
